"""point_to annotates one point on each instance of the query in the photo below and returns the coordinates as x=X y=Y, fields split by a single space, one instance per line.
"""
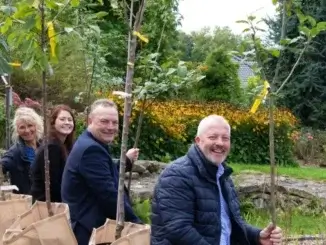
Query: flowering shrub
x=170 y=127
x=310 y=145
x=250 y=142
x=26 y=102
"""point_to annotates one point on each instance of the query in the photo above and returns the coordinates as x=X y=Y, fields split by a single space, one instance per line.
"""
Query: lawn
x=295 y=222
x=308 y=173
x=292 y=223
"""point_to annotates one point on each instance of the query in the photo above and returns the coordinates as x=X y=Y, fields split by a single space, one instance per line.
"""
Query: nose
x=219 y=141
x=111 y=125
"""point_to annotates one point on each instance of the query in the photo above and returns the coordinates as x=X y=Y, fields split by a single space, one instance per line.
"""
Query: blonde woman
x=27 y=134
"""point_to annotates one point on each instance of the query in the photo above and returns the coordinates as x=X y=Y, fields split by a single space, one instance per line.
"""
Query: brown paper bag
x=106 y=234
x=13 y=206
x=34 y=227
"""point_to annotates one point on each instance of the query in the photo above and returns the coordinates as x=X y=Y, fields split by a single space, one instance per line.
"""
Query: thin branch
x=61 y=11
x=293 y=68
x=129 y=8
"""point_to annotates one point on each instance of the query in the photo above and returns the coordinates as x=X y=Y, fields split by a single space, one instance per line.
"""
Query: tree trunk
x=126 y=117
x=44 y=92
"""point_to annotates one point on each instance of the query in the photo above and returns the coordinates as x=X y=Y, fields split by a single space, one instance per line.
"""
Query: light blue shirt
x=225 y=218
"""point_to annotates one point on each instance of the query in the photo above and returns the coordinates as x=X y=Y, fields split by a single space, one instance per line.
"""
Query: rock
x=152 y=166
x=322 y=165
x=142 y=188
x=291 y=193
x=146 y=174
x=253 y=187
x=133 y=175
x=137 y=168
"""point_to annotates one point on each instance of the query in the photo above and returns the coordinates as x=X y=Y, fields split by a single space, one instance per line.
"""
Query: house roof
x=245 y=69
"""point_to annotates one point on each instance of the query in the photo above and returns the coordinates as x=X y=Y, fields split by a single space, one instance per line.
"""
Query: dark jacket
x=16 y=163
x=185 y=206
x=90 y=187
x=57 y=164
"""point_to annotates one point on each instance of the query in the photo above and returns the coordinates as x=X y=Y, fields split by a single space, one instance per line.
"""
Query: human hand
x=133 y=154
x=271 y=235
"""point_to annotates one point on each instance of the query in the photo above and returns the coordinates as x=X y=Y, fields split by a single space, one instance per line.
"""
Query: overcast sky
x=200 y=13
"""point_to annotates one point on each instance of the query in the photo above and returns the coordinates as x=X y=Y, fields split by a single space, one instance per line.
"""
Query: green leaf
x=274 y=2
x=275 y=52
x=59 y=4
x=251 y=17
x=6 y=26
x=314 y=32
x=242 y=22
x=8 y=10
x=182 y=71
x=296 y=39
x=95 y=28
x=30 y=23
x=74 y=3
x=305 y=30
x=4 y=66
x=301 y=17
x=321 y=26
x=311 y=20
x=171 y=71
x=114 y=4
x=246 y=30
x=101 y=14
x=285 y=41
x=68 y=29
x=28 y=64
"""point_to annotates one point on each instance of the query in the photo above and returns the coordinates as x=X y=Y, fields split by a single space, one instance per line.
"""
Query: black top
x=57 y=164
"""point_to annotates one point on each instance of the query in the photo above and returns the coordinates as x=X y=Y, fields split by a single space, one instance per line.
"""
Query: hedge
x=170 y=127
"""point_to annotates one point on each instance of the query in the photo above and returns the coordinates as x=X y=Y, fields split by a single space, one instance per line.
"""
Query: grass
x=308 y=173
x=293 y=224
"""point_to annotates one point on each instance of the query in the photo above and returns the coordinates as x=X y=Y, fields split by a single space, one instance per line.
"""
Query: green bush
x=170 y=127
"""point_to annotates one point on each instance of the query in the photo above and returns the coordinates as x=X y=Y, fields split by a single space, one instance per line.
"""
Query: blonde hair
x=27 y=115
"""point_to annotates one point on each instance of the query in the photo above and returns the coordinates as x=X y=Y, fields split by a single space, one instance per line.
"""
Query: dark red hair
x=53 y=134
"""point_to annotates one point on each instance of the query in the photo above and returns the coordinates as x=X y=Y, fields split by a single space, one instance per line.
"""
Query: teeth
x=218 y=151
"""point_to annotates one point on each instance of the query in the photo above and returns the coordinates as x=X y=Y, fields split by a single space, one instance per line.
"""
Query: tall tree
x=305 y=94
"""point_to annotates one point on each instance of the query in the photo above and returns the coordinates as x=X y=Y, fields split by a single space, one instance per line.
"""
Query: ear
x=89 y=120
x=197 y=140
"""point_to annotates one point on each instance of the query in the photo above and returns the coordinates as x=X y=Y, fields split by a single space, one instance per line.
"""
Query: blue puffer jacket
x=185 y=206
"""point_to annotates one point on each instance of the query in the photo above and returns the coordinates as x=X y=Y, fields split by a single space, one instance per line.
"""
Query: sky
x=200 y=13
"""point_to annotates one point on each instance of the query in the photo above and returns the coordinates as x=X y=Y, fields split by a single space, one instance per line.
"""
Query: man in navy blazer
x=90 y=178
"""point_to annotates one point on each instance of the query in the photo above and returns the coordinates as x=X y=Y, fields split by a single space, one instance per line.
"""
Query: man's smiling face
x=215 y=142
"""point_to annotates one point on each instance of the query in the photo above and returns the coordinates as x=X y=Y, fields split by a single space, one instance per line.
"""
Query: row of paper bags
x=22 y=223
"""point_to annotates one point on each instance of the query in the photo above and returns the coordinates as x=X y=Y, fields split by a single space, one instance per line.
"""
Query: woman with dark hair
x=61 y=132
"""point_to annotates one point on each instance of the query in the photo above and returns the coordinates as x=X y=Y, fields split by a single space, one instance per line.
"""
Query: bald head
x=213 y=138
x=210 y=121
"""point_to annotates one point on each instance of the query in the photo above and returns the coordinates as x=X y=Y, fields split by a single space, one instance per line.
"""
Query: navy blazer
x=90 y=187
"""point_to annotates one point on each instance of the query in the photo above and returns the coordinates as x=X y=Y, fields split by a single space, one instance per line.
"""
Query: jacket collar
x=21 y=147
x=88 y=134
x=205 y=167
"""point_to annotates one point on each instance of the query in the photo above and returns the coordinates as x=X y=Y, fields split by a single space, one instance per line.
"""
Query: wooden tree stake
x=126 y=117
